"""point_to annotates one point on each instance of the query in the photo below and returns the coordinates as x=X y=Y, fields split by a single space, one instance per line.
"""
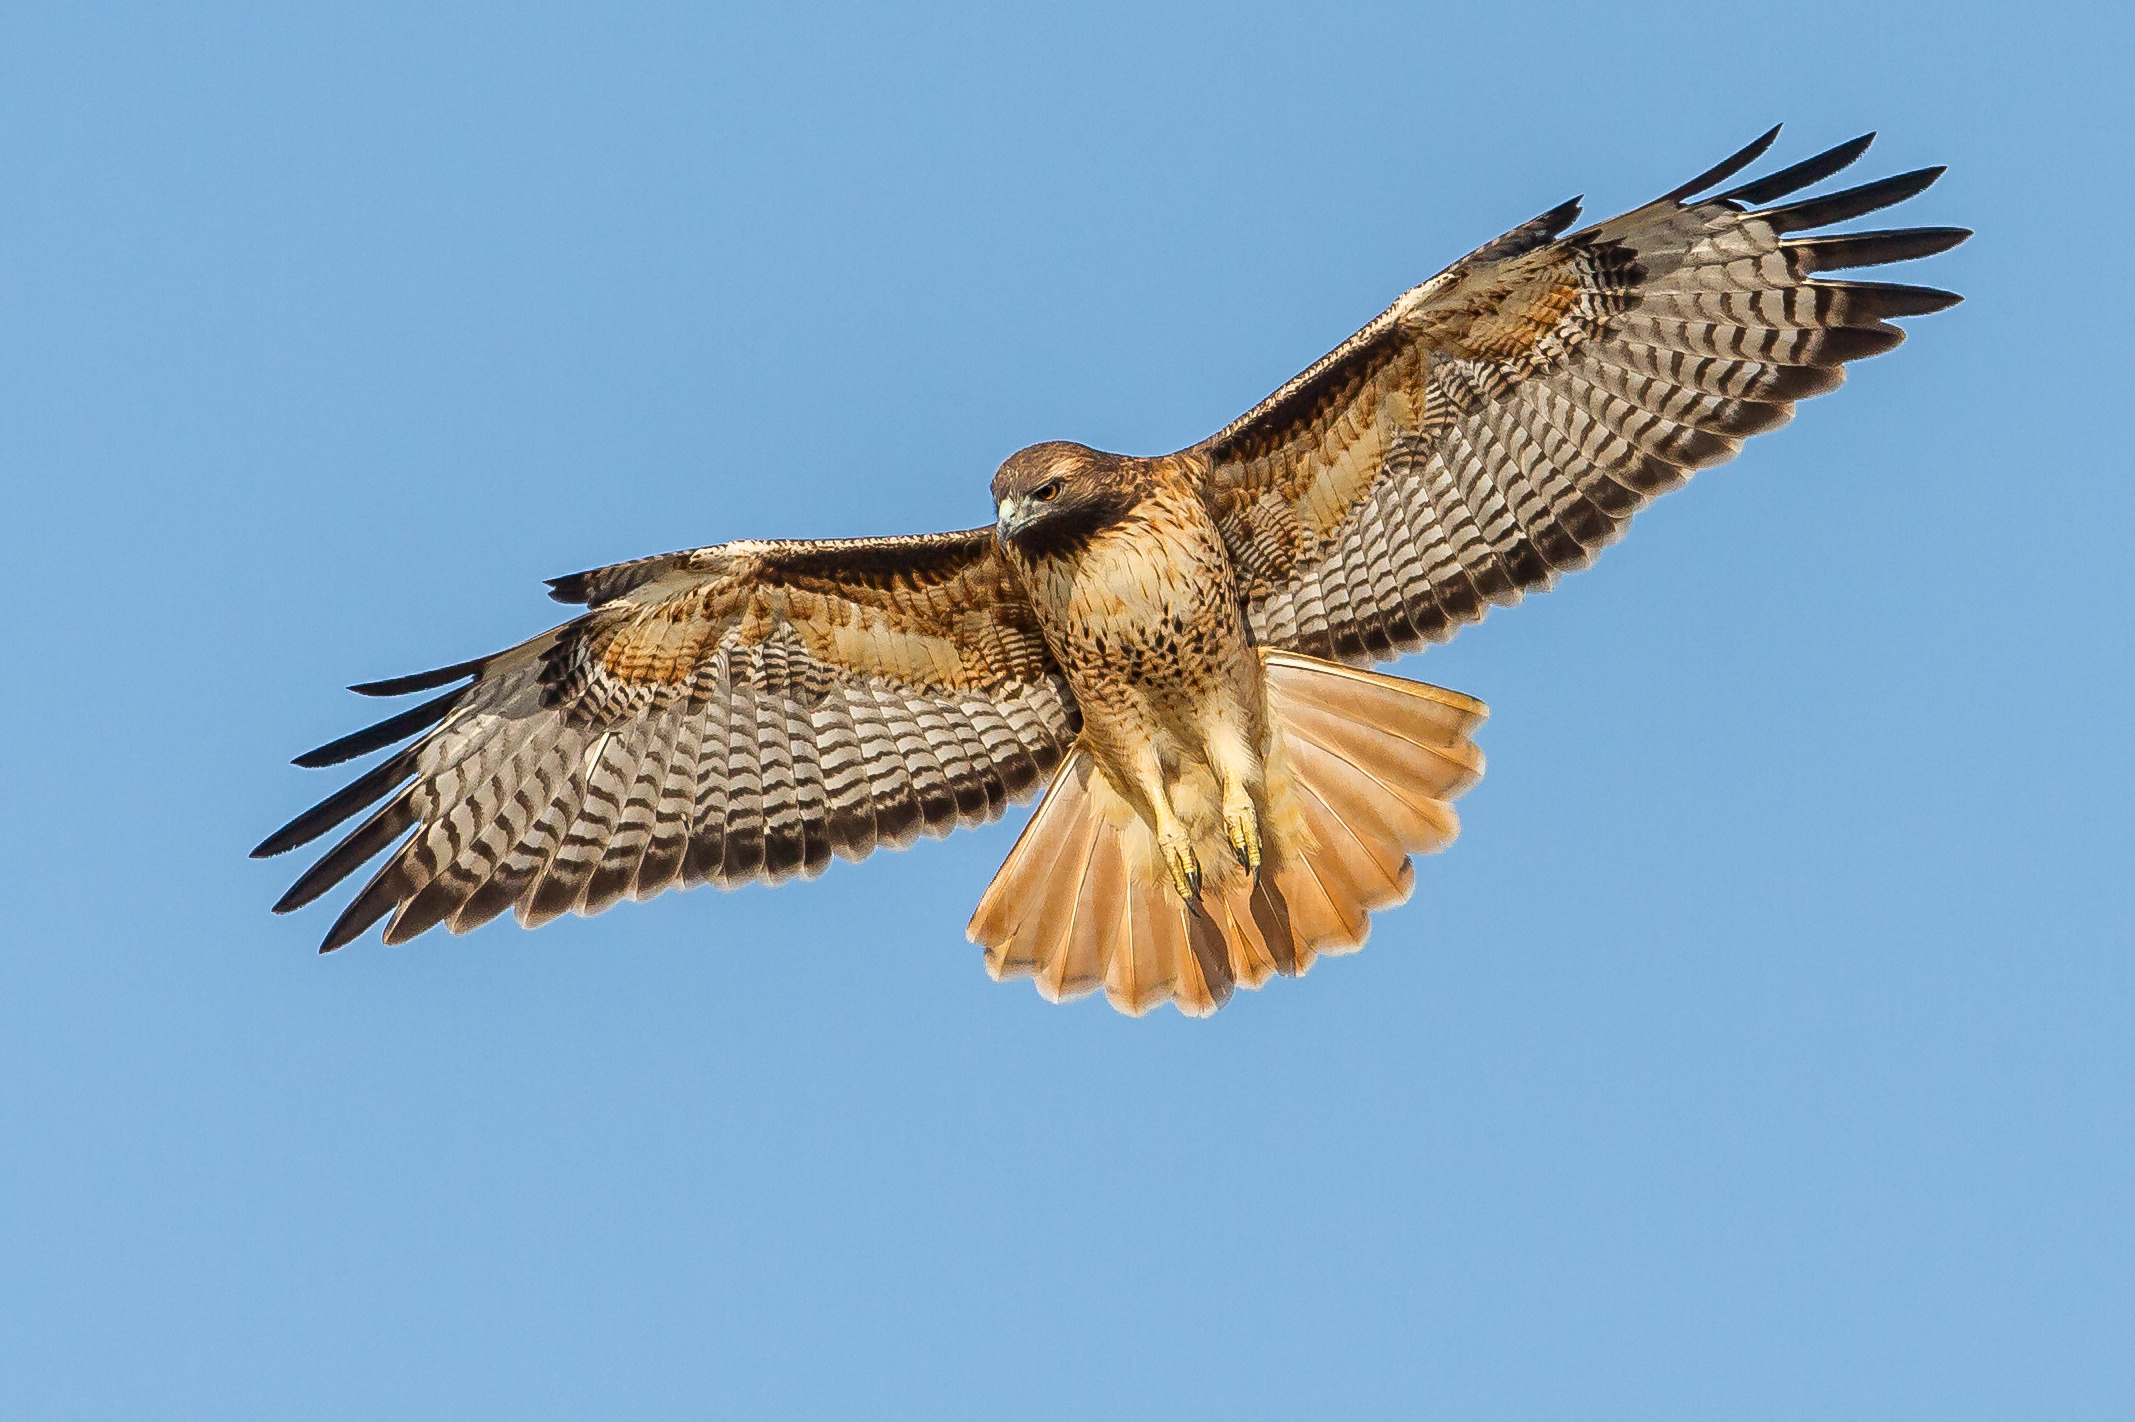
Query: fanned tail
x=1361 y=772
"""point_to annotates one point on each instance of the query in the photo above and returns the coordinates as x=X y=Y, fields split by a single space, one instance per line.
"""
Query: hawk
x=1171 y=648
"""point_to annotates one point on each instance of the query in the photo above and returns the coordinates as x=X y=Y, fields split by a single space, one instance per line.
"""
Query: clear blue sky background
x=1763 y=1049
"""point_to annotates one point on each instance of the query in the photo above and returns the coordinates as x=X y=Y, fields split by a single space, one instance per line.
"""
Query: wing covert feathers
x=1364 y=773
x=1500 y=424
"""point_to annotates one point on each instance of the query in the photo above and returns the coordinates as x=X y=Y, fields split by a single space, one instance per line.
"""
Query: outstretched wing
x=733 y=713
x=1500 y=423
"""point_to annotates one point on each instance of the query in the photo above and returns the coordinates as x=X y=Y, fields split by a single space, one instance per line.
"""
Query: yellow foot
x=1243 y=827
x=1185 y=869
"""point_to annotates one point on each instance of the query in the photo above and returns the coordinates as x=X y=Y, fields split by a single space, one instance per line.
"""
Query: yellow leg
x=1237 y=770
x=1171 y=835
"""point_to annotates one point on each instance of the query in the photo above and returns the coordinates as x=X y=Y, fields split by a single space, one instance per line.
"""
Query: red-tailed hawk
x=1169 y=647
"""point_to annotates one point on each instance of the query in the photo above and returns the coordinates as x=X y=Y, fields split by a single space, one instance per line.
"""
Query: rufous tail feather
x=1361 y=773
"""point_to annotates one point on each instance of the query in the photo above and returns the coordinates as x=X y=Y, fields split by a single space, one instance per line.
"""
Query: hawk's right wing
x=733 y=713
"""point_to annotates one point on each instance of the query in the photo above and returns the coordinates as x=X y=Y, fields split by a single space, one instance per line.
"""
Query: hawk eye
x=1047 y=492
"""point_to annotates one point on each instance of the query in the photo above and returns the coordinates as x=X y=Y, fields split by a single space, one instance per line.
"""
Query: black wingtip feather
x=419 y=681
x=1844 y=344
x=359 y=794
x=1809 y=170
x=384 y=733
x=1873 y=249
x=393 y=819
x=367 y=908
x=1889 y=299
x=1853 y=202
x=1726 y=168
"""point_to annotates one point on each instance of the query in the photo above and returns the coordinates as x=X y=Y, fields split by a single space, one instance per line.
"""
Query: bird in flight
x=1171 y=648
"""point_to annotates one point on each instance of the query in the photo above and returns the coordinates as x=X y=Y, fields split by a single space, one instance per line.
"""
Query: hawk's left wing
x=1500 y=423
x=733 y=713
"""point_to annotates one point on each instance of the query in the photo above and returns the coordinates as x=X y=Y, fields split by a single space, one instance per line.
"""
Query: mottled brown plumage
x=1168 y=642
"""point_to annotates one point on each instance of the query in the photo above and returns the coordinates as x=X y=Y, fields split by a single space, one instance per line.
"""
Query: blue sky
x=1762 y=1050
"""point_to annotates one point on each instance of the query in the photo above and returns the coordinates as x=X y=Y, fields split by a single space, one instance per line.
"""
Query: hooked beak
x=1014 y=514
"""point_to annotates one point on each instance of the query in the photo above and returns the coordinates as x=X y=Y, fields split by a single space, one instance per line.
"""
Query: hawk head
x=1052 y=499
